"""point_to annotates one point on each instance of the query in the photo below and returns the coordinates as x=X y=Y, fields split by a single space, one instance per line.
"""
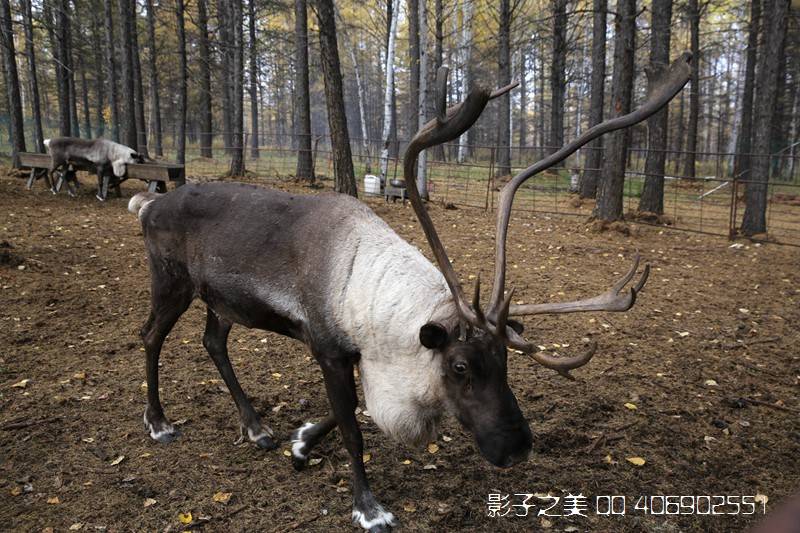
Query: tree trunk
x=422 y=104
x=610 y=189
x=694 y=95
x=138 y=87
x=522 y=123
x=129 y=137
x=413 y=67
x=362 y=112
x=206 y=135
x=70 y=70
x=594 y=151
x=775 y=15
x=38 y=135
x=388 y=95
x=155 y=100
x=111 y=71
x=237 y=88
x=226 y=61
x=503 y=157
x=344 y=178
x=558 y=75
x=652 y=199
x=99 y=87
x=180 y=144
x=12 y=84
x=779 y=122
x=87 y=114
x=254 y=138
x=305 y=166
x=466 y=53
x=438 y=51
x=394 y=143
x=61 y=52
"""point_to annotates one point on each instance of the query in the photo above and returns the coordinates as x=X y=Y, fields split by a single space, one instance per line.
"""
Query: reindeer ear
x=433 y=335
x=516 y=326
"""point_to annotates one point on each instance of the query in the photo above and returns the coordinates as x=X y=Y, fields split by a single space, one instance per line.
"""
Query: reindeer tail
x=139 y=201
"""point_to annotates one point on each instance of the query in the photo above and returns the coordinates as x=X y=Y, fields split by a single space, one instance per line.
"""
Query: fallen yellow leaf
x=16 y=491
x=149 y=501
x=638 y=461
x=407 y=462
x=409 y=508
x=185 y=518
x=77 y=526
x=222 y=497
x=631 y=406
x=366 y=457
x=276 y=375
x=287 y=453
x=21 y=384
x=433 y=447
x=54 y=500
x=118 y=460
x=79 y=375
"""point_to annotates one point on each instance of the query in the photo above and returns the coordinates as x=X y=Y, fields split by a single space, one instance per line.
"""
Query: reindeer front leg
x=338 y=372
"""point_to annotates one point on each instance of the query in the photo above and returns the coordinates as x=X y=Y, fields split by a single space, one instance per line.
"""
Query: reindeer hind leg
x=215 y=340
x=170 y=299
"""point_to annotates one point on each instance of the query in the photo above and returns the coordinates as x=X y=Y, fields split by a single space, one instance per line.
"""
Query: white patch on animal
x=384 y=518
x=169 y=429
x=390 y=291
x=298 y=443
x=255 y=437
x=139 y=202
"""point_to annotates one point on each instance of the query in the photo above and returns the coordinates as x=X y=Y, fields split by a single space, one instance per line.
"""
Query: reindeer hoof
x=159 y=428
x=299 y=450
x=165 y=437
x=299 y=463
x=374 y=518
x=266 y=443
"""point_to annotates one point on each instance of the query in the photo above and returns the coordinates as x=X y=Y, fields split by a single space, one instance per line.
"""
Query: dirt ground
x=700 y=380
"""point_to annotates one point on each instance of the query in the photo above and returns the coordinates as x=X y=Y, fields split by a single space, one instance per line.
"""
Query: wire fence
x=710 y=203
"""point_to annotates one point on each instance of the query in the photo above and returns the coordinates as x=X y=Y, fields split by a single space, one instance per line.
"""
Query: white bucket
x=372 y=184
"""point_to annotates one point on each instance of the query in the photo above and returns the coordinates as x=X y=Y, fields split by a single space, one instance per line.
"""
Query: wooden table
x=156 y=175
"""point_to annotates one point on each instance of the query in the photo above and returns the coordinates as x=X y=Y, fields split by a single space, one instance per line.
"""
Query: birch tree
x=388 y=94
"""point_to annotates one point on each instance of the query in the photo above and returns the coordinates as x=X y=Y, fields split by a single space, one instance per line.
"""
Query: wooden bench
x=156 y=175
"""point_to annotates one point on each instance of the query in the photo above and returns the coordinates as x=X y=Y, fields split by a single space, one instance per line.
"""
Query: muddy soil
x=700 y=380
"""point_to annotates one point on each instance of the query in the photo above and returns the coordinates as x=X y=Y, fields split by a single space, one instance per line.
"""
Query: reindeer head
x=475 y=354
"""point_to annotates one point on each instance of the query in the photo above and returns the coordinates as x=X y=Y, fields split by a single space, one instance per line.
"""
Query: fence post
x=487 y=204
x=732 y=214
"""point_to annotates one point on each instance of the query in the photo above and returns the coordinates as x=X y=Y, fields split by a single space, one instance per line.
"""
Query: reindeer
x=358 y=295
x=106 y=156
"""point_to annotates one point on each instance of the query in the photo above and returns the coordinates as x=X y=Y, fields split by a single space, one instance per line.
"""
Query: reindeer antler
x=673 y=81
x=449 y=124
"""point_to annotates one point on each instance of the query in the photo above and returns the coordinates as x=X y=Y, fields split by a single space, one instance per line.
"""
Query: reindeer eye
x=460 y=367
